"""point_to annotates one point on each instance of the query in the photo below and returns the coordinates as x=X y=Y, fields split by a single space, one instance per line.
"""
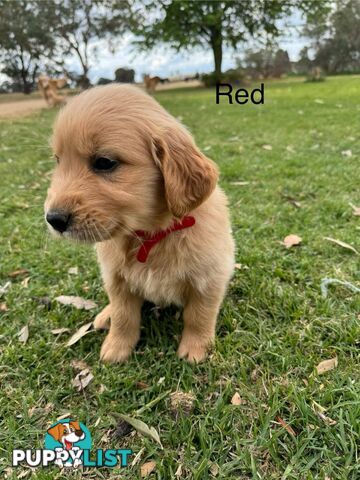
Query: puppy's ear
x=57 y=431
x=189 y=176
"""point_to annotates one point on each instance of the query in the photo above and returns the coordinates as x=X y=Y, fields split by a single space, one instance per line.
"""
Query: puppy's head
x=123 y=163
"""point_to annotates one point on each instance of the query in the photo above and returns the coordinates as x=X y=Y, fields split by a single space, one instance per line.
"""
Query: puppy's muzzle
x=58 y=219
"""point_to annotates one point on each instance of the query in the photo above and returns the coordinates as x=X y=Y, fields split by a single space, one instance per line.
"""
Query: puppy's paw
x=193 y=350
x=102 y=320
x=115 y=350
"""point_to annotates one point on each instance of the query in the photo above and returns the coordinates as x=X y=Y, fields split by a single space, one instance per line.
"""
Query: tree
x=25 y=41
x=79 y=23
x=214 y=24
x=337 y=39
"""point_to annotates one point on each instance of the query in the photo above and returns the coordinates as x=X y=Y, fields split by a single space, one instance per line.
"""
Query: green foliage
x=76 y=23
x=274 y=326
x=25 y=40
x=336 y=39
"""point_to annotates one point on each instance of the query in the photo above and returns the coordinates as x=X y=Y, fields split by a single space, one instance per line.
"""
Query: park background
x=279 y=396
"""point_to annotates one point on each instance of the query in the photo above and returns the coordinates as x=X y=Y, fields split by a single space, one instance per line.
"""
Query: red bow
x=149 y=240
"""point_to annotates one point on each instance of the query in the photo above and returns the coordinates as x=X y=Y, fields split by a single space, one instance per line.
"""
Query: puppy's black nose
x=58 y=220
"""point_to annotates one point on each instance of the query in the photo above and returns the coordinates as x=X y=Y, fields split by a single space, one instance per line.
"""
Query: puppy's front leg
x=200 y=314
x=125 y=320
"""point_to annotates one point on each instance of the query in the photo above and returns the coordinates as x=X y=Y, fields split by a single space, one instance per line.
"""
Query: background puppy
x=130 y=178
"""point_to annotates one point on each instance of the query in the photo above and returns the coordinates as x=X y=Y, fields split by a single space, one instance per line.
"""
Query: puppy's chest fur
x=162 y=279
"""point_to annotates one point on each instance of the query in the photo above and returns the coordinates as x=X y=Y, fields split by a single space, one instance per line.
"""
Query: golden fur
x=162 y=176
x=48 y=88
x=151 y=83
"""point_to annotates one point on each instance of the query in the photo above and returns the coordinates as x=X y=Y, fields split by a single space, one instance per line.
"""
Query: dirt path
x=20 y=109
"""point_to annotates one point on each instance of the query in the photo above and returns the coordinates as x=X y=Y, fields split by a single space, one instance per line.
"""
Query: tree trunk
x=216 y=43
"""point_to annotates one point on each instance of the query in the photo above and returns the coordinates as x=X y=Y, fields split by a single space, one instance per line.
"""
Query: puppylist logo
x=68 y=444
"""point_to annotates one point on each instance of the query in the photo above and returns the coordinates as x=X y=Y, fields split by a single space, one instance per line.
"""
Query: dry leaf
x=58 y=331
x=327 y=365
x=267 y=147
x=181 y=402
x=240 y=266
x=147 y=468
x=356 y=210
x=240 y=184
x=77 y=302
x=319 y=410
x=142 y=428
x=214 y=469
x=292 y=240
x=16 y=273
x=5 y=288
x=342 y=244
x=178 y=473
x=83 y=330
x=346 y=153
x=3 y=307
x=63 y=416
x=25 y=282
x=82 y=379
x=236 y=399
x=79 y=364
x=286 y=426
x=319 y=101
x=73 y=270
x=290 y=149
x=137 y=457
x=24 y=334
x=141 y=385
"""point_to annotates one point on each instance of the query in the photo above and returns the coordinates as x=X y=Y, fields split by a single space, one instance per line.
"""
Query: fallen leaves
x=292 y=240
x=82 y=379
x=181 y=402
x=73 y=270
x=5 y=288
x=142 y=428
x=346 y=153
x=320 y=412
x=3 y=308
x=77 y=302
x=17 y=273
x=59 y=331
x=267 y=147
x=327 y=365
x=286 y=426
x=236 y=399
x=83 y=330
x=147 y=468
x=342 y=244
x=24 y=334
x=356 y=210
x=240 y=184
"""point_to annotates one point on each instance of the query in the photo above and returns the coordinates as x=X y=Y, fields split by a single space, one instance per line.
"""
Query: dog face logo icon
x=68 y=437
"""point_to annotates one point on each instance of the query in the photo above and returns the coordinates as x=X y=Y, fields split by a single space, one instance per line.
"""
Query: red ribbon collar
x=149 y=240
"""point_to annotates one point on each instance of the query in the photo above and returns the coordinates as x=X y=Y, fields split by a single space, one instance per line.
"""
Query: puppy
x=130 y=178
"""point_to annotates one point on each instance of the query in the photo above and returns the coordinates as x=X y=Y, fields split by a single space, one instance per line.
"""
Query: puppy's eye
x=103 y=164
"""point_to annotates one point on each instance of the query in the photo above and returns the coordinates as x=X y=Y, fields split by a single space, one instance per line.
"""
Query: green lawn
x=274 y=328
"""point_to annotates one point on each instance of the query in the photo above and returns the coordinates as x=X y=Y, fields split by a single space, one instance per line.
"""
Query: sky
x=164 y=62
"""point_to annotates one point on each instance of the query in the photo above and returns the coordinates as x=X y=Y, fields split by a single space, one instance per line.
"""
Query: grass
x=274 y=327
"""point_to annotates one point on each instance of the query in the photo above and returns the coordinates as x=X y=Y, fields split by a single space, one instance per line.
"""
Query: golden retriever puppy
x=130 y=178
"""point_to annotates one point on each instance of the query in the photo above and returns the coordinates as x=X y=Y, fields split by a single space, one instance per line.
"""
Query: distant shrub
x=104 y=81
x=124 y=75
x=232 y=76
